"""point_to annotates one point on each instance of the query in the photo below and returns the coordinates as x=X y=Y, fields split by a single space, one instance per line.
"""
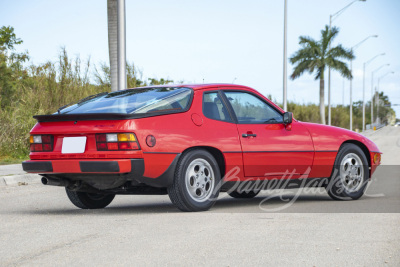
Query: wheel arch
x=216 y=153
x=364 y=148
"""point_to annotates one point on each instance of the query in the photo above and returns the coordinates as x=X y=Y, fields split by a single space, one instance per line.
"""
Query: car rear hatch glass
x=133 y=101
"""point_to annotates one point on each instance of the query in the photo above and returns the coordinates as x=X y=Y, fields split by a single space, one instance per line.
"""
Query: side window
x=250 y=109
x=214 y=108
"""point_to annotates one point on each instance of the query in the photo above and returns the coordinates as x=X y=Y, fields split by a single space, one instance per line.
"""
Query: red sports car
x=191 y=142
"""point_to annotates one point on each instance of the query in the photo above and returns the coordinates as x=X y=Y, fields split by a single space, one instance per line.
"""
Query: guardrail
x=374 y=126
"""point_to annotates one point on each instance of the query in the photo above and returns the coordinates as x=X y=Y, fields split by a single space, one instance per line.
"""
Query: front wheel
x=85 y=200
x=350 y=174
x=195 y=182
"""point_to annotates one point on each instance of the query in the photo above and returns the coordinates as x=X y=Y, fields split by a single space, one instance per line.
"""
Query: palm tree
x=112 y=17
x=316 y=56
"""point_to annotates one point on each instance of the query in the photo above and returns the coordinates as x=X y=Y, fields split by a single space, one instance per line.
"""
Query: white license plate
x=73 y=145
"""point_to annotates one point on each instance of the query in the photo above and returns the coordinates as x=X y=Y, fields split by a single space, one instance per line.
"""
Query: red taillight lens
x=47 y=147
x=41 y=143
x=112 y=146
x=101 y=138
x=46 y=139
x=101 y=146
x=116 y=141
x=36 y=147
x=127 y=146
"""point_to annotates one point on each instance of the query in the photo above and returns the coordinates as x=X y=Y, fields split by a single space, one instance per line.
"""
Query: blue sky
x=218 y=41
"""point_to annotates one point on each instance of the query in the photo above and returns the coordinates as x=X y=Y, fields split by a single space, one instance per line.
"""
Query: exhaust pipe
x=55 y=182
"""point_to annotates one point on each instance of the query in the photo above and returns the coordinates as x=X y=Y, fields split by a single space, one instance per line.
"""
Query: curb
x=21 y=178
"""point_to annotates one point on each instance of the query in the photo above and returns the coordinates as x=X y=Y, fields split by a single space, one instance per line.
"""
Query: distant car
x=190 y=142
x=397 y=124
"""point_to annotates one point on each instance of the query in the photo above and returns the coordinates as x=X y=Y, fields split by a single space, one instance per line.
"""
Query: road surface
x=39 y=226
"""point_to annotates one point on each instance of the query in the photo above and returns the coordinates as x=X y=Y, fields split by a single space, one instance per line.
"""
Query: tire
x=196 y=178
x=243 y=194
x=85 y=200
x=350 y=174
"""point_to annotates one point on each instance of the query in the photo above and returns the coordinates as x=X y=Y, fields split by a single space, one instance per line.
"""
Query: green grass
x=8 y=160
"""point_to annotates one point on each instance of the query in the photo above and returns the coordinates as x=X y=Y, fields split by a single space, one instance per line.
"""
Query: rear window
x=134 y=101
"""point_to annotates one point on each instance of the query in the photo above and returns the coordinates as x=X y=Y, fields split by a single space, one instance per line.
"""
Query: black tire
x=185 y=186
x=85 y=200
x=244 y=194
x=339 y=182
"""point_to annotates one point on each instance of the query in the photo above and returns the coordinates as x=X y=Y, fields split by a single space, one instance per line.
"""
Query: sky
x=223 y=41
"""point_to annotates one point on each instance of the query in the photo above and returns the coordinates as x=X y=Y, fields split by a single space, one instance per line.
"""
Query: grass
x=9 y=160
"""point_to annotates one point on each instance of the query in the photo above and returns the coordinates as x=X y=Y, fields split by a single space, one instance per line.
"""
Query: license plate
x=73 y=145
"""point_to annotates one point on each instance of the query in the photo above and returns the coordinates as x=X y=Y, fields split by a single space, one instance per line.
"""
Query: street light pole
x=285 y=59
x=351 y=93
x=331 y=18
x=372 y=91
x=365 y=64
x=121 y=45
x=329 y=77
x=351 y=80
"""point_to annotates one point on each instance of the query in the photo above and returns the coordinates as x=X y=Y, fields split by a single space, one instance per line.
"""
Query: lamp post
x=351 y=79
x=365 y=64
x=121 y=45
x=285 y=58
x=331 y=18
x=372 y=91
x=379 y=80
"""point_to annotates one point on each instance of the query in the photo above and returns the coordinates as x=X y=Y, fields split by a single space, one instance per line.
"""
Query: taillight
x=41 y=143
x=116 y=141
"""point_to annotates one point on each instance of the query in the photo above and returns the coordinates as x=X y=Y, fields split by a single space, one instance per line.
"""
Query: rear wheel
x=85 y=200
x=195 y=182
x=350 y=174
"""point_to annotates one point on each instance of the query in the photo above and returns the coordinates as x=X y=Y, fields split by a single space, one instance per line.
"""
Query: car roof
x=200 y=86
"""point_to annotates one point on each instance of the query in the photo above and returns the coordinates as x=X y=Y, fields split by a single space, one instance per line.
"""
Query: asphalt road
x=39 y=226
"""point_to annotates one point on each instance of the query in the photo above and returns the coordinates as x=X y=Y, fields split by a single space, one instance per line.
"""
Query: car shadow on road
x=286 y=203
x=224 y=204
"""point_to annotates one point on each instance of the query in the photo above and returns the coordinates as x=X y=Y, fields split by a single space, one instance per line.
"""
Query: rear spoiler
x=100 y=116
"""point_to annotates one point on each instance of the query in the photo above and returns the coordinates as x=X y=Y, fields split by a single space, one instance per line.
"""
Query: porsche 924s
x=191 y=142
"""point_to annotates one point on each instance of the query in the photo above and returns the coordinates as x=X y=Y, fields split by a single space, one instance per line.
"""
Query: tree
x=12 y=70
x=316 y=56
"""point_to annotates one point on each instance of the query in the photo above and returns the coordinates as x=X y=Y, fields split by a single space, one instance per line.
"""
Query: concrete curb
x=12 y=180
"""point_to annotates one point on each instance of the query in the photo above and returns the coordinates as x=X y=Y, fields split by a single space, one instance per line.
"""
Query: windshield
x=134 y=101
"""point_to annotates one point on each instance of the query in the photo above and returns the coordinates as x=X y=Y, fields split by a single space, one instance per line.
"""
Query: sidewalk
x=14 y=175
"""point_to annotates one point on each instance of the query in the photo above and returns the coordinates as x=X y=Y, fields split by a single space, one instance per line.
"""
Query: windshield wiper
x=83 y=100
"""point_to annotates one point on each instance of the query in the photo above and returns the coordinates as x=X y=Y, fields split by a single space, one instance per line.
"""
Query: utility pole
x=121 y=45
x=351 y=94
x=112 y=21
x=331 y=18
x=329 y=77
x=285 y=59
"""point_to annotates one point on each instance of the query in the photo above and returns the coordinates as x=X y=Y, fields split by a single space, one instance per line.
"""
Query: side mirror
x=287 y=118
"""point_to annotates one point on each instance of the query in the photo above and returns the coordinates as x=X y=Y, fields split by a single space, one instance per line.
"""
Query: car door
x=269 y=147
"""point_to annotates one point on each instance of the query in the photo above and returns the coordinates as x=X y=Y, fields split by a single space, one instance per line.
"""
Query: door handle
x=249 y=135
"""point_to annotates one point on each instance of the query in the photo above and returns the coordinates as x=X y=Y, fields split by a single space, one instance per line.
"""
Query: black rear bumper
x=89 y=169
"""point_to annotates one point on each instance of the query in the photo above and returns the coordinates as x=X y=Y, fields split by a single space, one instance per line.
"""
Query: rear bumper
x=117 y=166
x=129 y=169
